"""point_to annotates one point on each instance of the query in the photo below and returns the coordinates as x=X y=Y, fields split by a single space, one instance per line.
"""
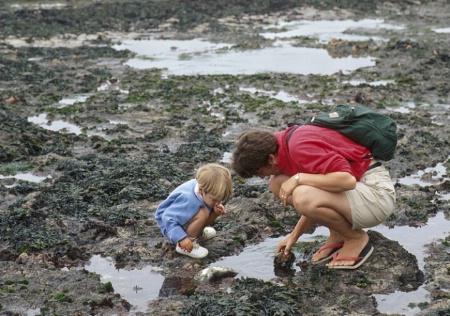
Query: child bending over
x=184 y=215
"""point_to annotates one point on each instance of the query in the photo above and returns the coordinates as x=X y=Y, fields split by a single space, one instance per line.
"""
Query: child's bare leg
x=211 y=218
x=196 y=225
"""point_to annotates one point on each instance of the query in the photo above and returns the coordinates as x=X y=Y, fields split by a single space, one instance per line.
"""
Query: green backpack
x=375 y=131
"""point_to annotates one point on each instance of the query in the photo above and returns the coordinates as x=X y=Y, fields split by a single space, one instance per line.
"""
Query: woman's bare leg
x=275 y=185
x=331 y=210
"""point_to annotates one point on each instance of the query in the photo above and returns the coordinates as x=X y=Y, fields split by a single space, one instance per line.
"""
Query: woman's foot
x=353 y=253
x=333 y=244
x=326 y=252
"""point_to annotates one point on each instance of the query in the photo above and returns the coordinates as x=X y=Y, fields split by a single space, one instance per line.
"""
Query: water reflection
x=357 y=82
x=325 y=31
x=442 y=30
x=198 y=56
x=286 y=59
x=57 y=125
x=136 y=286
x=175 y=285
x=279 y=95
x=256 y=261
x=26 y=177
x=70 y=100
x=431 y=175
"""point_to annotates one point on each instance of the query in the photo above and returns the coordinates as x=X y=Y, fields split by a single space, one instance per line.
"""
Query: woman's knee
x=303 y=199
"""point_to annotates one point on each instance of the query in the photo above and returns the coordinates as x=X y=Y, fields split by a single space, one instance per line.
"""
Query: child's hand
x=219 y=209
x=186 y=244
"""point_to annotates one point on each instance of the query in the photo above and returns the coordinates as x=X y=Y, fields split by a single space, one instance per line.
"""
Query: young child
x=184 y=215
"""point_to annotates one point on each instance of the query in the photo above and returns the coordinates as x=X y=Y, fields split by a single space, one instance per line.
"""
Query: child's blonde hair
x=216 y=180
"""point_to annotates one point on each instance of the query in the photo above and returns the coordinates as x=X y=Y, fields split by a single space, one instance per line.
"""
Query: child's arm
x=219 y=209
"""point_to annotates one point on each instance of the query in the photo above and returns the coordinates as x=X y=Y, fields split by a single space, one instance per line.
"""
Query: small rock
x=283 y=261
x=215 y=273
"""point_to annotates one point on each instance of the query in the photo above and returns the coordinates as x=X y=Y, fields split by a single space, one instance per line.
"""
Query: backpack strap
x=289 y=134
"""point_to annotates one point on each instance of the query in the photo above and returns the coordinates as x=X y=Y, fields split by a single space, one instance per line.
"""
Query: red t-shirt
x=319 y=150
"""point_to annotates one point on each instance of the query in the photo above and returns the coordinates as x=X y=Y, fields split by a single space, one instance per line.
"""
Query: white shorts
x=373 y=199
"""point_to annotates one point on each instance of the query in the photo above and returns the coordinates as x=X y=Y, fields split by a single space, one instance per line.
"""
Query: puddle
x=227 y=157
x=65 y=127
x=325 y=31
x=112 y=86
x=201 y=57
x=405 y=109
x=422 y=177
x=41 y=6
x=210 y=62
x=280 y=95
x=356 y=82
x=255 y=261
x=138 y=287
x=443 y=30
x=11 y=179
x=79 y=98
x=26 y=177
x=33 y=312
x=57 y=125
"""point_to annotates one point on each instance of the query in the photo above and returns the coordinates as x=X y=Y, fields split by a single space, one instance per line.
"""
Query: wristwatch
x=297 y=178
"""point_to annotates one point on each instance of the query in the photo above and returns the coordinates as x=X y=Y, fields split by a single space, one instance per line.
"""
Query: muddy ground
x=102 y=190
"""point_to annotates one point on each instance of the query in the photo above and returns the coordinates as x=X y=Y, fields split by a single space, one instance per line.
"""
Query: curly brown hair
x=252 y=152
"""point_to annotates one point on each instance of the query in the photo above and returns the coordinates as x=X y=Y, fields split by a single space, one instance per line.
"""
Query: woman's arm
x=332 y=182
x=286 y=244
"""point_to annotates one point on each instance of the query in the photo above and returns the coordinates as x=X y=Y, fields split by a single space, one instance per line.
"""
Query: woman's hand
x=287 y=187
x=286 y=245
x=289 y=241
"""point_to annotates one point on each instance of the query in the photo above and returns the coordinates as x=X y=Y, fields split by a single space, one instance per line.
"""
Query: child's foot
x=208 y=233
x=197 y=252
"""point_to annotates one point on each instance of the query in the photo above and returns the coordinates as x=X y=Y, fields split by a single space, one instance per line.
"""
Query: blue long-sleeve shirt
x=177 y=210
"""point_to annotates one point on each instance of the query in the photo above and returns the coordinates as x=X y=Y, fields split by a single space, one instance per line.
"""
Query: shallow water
x=201 y=57
x=30 y=177
x=286 y=59
x=136 y=286
x=325 y=31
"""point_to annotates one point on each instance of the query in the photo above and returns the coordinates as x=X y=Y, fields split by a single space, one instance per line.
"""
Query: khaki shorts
x=373 y=199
